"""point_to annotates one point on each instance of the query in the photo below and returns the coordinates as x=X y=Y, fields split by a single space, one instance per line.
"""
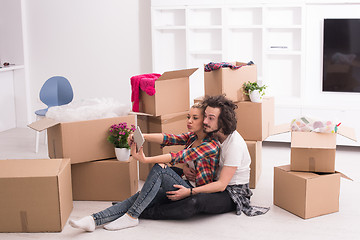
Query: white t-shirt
x=234 y=153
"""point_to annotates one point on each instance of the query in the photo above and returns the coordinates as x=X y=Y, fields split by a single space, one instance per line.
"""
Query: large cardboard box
x=81 y=141
x=35 y=195
x=230 y=81
x=105 y=180
x=255 y=121
x=255 y=150
x=172 y=94
x=169 y=123
x=306 y=194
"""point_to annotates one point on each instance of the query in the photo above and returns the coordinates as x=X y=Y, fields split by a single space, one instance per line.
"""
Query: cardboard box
x=255 y=150
x=81 y=141
x=230 y=81
x=169 y=123
x=306 y=194
x=35 y=195
x=105 y=180
x=255 y=121
x=314 y=152
x=172 y=94
x=144 y=169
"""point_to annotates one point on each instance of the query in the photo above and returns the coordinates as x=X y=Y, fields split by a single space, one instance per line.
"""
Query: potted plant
x=118 y=135
x=254 y=91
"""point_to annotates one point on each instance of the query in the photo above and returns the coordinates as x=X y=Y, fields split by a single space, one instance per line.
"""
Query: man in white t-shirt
x=231 y=189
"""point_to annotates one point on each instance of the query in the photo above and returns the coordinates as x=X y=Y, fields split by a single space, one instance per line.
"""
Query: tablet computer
x=138 y=138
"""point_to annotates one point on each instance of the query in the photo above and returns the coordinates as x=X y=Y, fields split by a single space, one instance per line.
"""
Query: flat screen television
x=341 y=55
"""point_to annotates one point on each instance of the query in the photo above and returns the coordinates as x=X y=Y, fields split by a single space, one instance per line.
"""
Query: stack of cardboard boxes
x=310 y=186
x=166 y=111
x=82 y=163
x=254 y=120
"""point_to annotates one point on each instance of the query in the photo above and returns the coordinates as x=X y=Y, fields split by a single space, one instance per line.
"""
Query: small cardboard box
x=255 y=150
x=105 y=180
x=230 y=81
x=172 y=94
x=312 y=151
x=306 y=194
x=35 y=195
x=315 y=152
x=81 y=141
x=255 y=120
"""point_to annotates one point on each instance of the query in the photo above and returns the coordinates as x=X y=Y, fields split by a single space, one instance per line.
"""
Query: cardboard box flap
x=313 y=140
x=285 y=168
x=64 y=162
x=19 y=168
x=140 y=114
x=347 y=132
x=344 y=176
x=177 y=74
x=43 y=124
x=305 y=175
x=278 y=129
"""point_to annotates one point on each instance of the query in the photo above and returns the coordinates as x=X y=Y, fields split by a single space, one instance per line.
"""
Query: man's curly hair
x=227 y=118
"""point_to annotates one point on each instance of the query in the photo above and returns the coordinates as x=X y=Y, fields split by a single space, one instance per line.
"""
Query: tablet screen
x=138 y=138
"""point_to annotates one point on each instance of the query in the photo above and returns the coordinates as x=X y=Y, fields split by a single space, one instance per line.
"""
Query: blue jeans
x=159 y=181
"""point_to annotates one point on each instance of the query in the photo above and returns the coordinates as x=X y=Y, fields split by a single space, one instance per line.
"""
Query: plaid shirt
x=205 y=156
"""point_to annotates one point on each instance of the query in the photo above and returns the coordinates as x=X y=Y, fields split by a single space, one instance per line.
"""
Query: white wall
x=97 y=44
x=11 y=47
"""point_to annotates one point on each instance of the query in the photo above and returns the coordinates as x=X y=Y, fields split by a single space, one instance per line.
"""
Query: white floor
x=276 y=224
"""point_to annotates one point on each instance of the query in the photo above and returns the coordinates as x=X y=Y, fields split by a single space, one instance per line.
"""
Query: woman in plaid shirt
x=201 y=152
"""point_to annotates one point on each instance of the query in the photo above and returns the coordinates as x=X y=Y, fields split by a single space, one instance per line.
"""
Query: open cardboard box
x=81 y=141
x=172 y=94
x=306 y=194
x=314 y=152
x=35 y=195
x=115 y=180
x=230 y=81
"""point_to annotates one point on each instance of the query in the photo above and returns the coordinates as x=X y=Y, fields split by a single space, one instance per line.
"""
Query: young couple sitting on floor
x=217 y=173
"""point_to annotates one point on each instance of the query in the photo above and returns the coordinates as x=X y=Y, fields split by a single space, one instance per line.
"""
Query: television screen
x=341 y=55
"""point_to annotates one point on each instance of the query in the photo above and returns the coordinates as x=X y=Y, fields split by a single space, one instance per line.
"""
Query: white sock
x=86 y=223
x=122 y=222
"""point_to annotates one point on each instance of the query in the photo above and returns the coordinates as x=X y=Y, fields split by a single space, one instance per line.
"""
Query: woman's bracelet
x=191 y=191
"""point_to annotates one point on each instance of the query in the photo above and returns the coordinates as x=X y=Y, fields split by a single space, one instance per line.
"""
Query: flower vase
x=255 y=96
x=122 y=154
